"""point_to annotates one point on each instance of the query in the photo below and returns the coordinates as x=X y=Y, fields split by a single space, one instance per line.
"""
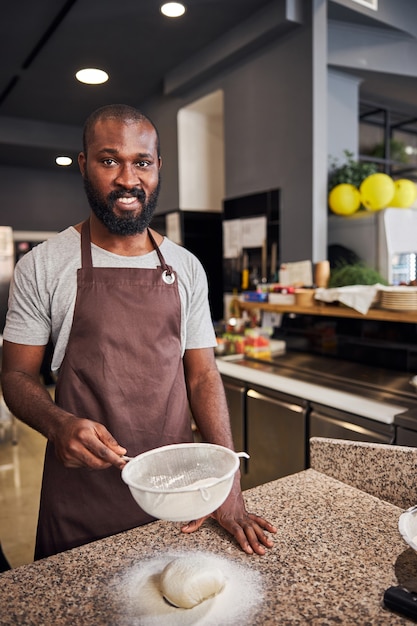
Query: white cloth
x=358 y=297
x=43 y=291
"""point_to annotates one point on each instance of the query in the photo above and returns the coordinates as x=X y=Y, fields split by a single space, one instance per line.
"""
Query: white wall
x=201 y=154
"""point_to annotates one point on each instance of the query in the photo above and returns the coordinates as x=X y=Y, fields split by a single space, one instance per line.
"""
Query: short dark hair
x=121 y=112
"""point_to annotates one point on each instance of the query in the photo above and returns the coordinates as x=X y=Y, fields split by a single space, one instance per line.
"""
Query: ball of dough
x=188 y=581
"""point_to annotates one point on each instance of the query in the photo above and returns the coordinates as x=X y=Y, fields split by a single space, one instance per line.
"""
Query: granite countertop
x=336 y=550
x=263 y=374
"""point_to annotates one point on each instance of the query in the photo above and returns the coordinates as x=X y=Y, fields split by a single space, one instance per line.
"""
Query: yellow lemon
x=377 y=191
x=405 y=193
x=344 y=199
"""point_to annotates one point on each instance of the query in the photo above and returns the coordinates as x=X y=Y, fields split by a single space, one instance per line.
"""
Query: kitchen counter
x=336 y=550
x=272 y=376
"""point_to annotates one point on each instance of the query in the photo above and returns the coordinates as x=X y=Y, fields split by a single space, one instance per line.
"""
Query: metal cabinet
x=406 y=428
x=325 y=421
x=269 y=426
x=276 y=435
x=275 y=428
x=406 y=437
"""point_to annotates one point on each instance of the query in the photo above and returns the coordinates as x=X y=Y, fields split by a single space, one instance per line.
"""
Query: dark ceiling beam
x=31 y=133
x=53 y=26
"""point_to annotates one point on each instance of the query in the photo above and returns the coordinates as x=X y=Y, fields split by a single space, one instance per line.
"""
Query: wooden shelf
x=332 y=311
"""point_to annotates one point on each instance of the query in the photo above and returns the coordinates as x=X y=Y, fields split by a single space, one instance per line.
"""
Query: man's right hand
x=81 y=442
x=78 y=442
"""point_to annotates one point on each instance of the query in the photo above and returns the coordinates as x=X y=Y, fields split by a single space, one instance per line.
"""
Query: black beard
x=128 y=224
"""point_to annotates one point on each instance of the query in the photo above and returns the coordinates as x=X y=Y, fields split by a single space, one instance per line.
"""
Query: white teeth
x=129 y=200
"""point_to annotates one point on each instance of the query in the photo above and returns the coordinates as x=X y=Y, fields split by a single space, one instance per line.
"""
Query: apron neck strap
x=86 y=259
x=159 y=253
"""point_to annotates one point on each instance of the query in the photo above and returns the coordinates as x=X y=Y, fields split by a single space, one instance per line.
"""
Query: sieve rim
x=186 y=488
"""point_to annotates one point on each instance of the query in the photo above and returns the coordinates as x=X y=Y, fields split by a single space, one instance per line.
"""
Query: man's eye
x=143 y=164
x=108 y=161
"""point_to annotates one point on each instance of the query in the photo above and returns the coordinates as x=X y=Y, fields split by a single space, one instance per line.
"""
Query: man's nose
x=127 y=176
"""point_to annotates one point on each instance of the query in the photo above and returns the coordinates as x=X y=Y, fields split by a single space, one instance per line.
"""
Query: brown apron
x=122 y=368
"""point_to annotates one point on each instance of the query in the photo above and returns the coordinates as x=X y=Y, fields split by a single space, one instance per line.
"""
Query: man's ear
x=159 y=162
x=82 y=163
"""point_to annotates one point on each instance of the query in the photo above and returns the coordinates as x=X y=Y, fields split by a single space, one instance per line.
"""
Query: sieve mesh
x=176 y=468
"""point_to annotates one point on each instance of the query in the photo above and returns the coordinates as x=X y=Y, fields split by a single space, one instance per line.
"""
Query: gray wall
x=268 y=121
x=343 y=115
x=33 y=199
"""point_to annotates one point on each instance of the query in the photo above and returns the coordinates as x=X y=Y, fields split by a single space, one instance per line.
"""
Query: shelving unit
x=332 y=311
x=396 y=128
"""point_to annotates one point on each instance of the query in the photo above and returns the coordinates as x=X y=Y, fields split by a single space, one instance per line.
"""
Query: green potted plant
x=352 y=172
x=359 y=273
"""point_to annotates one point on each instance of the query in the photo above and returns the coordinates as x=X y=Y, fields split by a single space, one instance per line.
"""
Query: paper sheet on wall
x=231 y=239
x=299 y=273
x=243 y=233
x=253 y=232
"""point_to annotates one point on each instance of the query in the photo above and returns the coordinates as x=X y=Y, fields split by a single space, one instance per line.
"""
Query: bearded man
x=127 y=313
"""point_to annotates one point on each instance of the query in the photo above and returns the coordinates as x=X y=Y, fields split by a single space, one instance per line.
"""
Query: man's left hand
x=247 y=528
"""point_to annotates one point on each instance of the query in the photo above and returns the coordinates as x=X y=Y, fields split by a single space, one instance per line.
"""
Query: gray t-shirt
x=44 y=286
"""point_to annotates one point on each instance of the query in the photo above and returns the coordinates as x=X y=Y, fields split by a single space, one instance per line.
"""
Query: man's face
x=121 y=175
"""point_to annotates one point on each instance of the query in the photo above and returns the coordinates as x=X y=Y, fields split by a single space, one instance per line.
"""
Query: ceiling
x=43 y=44
x=130 y=39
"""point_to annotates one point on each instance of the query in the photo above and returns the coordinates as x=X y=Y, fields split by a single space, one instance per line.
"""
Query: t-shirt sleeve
x=200 y=330
x=27 y=320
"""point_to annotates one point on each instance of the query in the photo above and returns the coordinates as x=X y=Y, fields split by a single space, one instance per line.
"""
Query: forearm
x=209 y=409
x=31 y=402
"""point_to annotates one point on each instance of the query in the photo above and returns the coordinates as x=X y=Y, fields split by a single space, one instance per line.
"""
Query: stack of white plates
x=401 y=298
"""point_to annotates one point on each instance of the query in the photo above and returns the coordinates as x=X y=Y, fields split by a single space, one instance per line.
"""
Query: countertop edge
x=358 y=405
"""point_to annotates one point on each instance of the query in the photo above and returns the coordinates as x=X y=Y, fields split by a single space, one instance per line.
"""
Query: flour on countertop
x=140 y=600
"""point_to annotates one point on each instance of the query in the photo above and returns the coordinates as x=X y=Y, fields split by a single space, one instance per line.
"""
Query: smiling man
x=128 y=315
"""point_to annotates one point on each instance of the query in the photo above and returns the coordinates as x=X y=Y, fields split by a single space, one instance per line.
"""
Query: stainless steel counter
x=379 y=384
x=309 y=378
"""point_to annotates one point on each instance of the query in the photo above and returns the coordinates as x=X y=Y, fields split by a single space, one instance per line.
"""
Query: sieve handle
x=159 y=498
x=205 y=494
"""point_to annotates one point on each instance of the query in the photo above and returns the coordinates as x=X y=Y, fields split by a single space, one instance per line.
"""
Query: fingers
x=194 y=525
x=249 y=532
x=84 y=443
x=250 y=538
x=263 y=523
x=111 y=451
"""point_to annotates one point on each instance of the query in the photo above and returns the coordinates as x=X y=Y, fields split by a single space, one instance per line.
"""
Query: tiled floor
x=20 y=478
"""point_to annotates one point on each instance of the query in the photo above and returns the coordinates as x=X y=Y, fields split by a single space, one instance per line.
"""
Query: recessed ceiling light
x=92 y=76
x=173 y=9
x=63 y=160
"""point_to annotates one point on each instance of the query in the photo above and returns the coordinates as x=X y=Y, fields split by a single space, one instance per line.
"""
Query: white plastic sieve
x=182 y=482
